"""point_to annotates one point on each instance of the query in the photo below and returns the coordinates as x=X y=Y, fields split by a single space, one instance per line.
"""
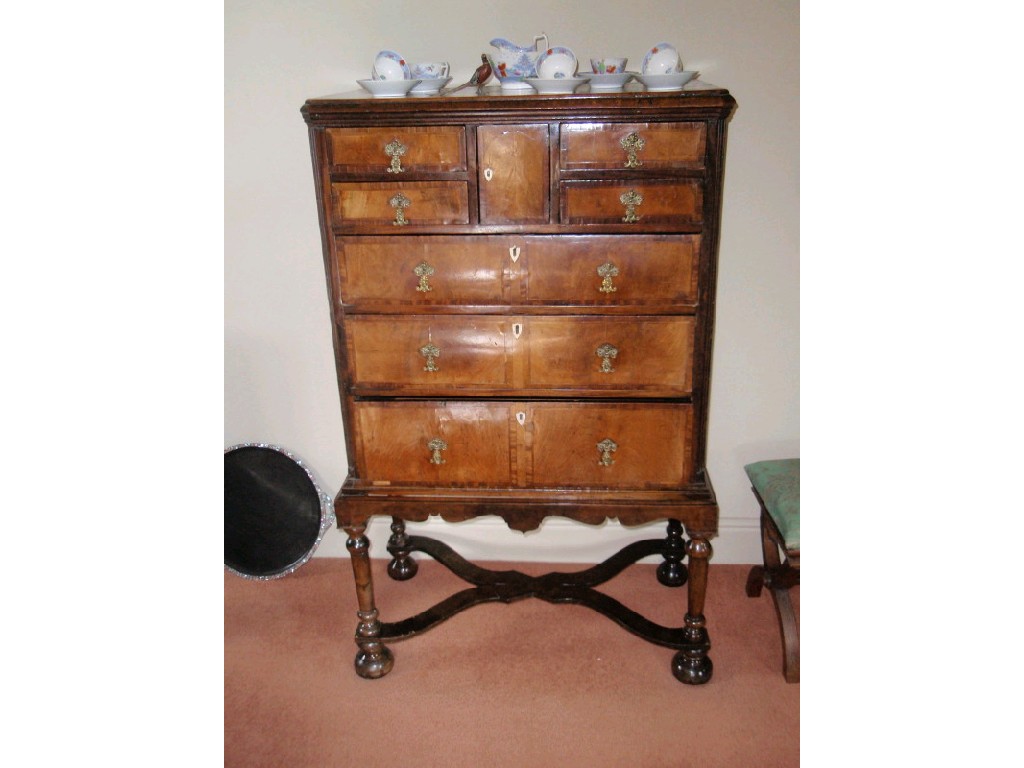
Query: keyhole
x=488 y=174
x=521 y=418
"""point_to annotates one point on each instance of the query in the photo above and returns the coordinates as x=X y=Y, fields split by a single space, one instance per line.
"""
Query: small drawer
x=598 y=445
x=399 y=150
x=425 y=270
x=662 y=201
x=623 y=356
x=632 y=146
x=396 y=443
x=423 y=355
x=613 y=270
x=411 y=204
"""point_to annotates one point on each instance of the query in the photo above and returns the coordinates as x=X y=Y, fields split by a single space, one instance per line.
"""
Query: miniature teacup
x=609 y=65
x=430 y=70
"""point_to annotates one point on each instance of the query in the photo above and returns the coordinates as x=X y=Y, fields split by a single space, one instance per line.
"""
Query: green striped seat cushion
x=778 y=483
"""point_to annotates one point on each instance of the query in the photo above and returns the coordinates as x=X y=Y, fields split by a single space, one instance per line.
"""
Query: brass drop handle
x=431 y=352
x=400 y=202
x=631 y=200
x=607 y=353
x=632 y=144
x=395 y=149
x=606 y=272
x=423 y=271
x=435 y=446
x=607 y=447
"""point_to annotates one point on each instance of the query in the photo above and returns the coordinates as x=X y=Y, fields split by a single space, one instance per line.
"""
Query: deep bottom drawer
x=505 y=444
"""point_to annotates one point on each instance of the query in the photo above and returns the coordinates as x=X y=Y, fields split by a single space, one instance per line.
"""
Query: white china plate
x=389 y=65
x=555 y=85
x=661 y=59
x=556 y=62
x=388 y=89
x=430 y=86
x=673 y=81
x=612 y=82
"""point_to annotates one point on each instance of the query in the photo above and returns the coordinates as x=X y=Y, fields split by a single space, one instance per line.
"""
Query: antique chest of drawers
x=522 y=295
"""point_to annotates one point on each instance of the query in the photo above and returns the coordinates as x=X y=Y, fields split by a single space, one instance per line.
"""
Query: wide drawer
x=632 y=146
x=405 y=149
x=386 y=273
x=588 y=356
x=639 y=202
x=524 y=444
x=412 y=203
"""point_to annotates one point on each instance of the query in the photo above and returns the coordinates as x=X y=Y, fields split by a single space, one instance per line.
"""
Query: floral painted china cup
x=661 y=59
x=430 y=70
x=609 y=65
x=389 y=65
x=556 y=63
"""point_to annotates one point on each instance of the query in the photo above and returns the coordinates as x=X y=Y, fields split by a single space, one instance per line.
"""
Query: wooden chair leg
x=779 y=577
x=790 y=635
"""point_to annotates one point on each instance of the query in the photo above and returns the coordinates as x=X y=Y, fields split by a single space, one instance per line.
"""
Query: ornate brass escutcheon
x=631 y=200
x=431 y=352
x=435 y=447
x=606 y=272
x=400 y=202
x=395 y=150
x=632 y=144
x=423 y=272
x=607 y=447
x=607 y=353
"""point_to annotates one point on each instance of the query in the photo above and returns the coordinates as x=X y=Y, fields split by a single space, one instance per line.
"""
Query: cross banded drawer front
x=399 y=150
x=646 y=147
x=462 y=354
x=647 y=201
x=415 y=203
x=525 y=445
x=388 y=274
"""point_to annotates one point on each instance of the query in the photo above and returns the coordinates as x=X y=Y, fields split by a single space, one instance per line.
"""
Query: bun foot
x=373 y=664
x=402 y=568
x=672 y=574
x=692 y=667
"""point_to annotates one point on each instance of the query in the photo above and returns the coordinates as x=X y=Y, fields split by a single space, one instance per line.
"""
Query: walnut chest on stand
x=522 y=293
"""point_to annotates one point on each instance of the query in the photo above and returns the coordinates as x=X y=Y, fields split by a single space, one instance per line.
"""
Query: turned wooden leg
x=401 y=567
x=692 y=665
x=672 y=572
x=373 y=659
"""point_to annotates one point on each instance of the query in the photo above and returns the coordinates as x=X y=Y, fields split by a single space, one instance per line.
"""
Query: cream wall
x=278 y=365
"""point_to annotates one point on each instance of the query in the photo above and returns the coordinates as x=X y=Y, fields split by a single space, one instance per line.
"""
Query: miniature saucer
x=672 y=81
x=661 y=59
x=388 y=89
x=430 y=86
x=556 y=62
x=557 y=84
x=389 y=65
x=610 y=82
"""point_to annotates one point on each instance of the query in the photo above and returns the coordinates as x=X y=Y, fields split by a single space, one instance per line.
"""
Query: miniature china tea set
x=531 y=68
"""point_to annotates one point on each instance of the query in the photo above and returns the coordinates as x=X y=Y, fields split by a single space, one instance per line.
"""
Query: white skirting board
x=558 y=540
